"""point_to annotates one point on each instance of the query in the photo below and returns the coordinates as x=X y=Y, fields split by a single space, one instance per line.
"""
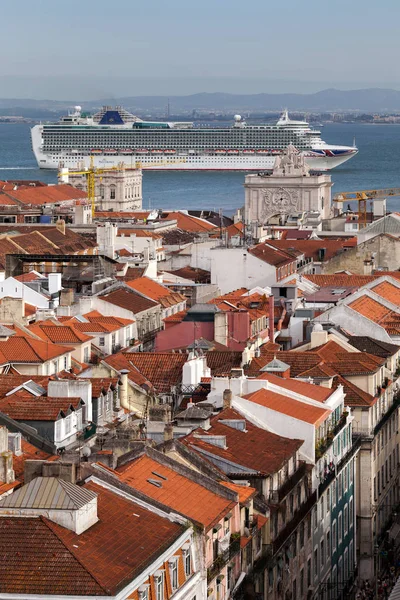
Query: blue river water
x=377 y=165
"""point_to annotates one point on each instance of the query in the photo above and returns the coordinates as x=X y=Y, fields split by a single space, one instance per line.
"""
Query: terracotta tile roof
x=340 y=279
x=256 y=304
x=236 y=229
x=196 y=275
x=49 y=194
x=298 y=361
x=28 y=408
x=138 y=233
x=157 y=292
x=129 y=300
x=255 y=448
x=367 y=344
x=83 y=563
x=354 y=396
x=188 y=222
x=378 y=313
x=19 y=349
x=273 y=256
x=388 y=291
x=59 y=334
x=5 y=200
x=141 y=215
x=96 y=317
x=310 y=248
x=222 y=362
x=97 y=327
x=161 y=369
x=178 y=492
x=131 y=273
x=245 y=493
x=27 y=277
x=9 y=381
x=31 y=556
x=316 y=392
x=176 y=318
x=101 y=385
x=126 y=526
x=292 y=408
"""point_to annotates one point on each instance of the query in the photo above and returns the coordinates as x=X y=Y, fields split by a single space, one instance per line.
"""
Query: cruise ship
x=113 y=136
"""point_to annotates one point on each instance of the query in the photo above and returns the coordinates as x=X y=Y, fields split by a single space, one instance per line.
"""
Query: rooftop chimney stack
x=168 y=432
x=227 y=399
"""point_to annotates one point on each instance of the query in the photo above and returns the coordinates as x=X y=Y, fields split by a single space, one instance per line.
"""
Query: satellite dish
x=86 y=451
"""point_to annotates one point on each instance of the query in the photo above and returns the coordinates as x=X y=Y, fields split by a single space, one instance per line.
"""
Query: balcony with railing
x=276 y=496
x=224 y=557
x=323 y=444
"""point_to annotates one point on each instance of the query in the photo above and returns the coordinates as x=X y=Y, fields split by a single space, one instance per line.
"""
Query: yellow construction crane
x=90 y=174
x=362 y=196
x=92 y=171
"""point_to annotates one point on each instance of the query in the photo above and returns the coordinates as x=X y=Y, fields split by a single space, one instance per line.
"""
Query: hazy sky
x=92 y=49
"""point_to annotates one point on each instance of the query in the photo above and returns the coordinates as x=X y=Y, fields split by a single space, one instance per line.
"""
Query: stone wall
x=382 y=251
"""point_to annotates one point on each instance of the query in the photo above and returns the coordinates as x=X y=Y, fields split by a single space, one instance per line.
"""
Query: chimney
x=318 y=336
x=221 y=328
x=368 y=266
x=14 y=443
x=67 y=297
x=271 y=317
x=161 y=413
x=60 y=225
x=123 y=393
x=227 y=399
x=168 y=432
x=12 y=310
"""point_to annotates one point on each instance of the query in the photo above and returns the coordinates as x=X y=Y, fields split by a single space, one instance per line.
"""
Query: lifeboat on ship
x=220 y=151
x=142 y=151
x=126 y=151
x=262 y=151
x=248 y=151
x=96 y=151
x=110 y=151
x=169 y=151
x=157 y=151
x=233 y=151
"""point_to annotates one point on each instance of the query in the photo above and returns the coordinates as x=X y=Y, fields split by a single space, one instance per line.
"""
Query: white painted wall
x=232 y=268
x=16 y=289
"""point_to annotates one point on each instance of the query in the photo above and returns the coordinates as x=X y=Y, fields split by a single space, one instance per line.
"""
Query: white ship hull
x=185 y=163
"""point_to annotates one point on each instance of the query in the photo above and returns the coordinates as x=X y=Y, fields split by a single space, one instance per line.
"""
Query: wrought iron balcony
x=223 y=559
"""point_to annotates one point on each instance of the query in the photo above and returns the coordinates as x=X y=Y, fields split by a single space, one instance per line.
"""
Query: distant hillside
x=366 y=100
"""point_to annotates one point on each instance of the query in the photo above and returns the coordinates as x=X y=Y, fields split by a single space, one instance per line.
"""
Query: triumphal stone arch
x=290 y=189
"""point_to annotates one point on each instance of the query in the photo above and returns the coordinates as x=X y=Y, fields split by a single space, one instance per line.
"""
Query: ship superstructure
x=113 y=135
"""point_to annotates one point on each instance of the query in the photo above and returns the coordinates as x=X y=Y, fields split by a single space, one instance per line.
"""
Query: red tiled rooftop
x=41 y=557
x=388 y=291
x=316 y=392
x=59 y=334
x=292 y=408
x=256 y=449
x=129 y=300
x=28 y=408
x=156 y=291
x=18 y=349
x=178 y=492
